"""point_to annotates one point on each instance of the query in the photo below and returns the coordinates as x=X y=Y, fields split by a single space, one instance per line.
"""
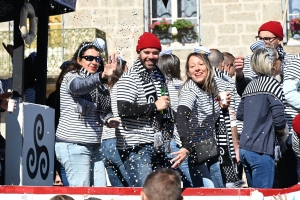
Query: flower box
x=164 y=36
x=294 y=26
x=186 y=35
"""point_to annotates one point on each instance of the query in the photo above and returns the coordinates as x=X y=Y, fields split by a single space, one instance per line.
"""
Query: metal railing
x=62 y=44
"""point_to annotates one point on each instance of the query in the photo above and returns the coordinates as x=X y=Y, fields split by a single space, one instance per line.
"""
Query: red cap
x=274 y=27
x=296 y=124
x=148 y=40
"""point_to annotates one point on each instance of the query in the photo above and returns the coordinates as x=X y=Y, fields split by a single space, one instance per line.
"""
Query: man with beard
x=146 y=120
x=271 y=33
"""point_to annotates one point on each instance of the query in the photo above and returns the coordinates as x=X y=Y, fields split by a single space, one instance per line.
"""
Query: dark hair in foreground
x=61 y=197
x=169 y=65
x=163 y=184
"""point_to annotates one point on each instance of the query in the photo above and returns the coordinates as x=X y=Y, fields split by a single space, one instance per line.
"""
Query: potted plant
x=185 y=29
x=295 y=24
x=161 y=30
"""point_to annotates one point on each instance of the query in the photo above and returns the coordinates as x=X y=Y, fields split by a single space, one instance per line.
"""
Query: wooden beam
x=42 y=52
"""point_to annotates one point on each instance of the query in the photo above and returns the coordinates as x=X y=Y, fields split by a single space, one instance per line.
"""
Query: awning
x=56 y=7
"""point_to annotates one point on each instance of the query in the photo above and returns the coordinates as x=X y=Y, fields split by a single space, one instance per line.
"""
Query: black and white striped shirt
x=173 y=87
x=200 y=103
x=73 y=127
x=109 y=133
x=137 y=128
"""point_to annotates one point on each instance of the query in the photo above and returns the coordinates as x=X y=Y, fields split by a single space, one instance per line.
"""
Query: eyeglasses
x=265 y=39
x=91 y=58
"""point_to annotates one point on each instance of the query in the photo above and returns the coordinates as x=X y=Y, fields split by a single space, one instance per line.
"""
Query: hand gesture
x=239 y=66
x=182 y=154
x=113 y=122
x=228 y=97
x=110 y=66
x=9 y=48
x=4 y=104
x=162 y=103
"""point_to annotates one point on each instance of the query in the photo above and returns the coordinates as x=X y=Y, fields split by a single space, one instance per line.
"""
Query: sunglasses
x=91 y=58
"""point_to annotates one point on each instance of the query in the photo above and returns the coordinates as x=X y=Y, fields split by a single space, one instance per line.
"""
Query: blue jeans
x=199 y=173
x=298 y=168
x=141 y=160
x=259 y=168
x=183 y=168
x=115 y=168
x=215 y=172
x=83 y=163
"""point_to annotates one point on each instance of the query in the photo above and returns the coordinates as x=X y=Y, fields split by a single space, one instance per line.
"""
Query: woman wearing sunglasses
x=78 y=133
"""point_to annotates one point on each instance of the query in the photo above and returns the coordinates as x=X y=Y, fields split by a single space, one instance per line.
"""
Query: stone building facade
x=228 y=25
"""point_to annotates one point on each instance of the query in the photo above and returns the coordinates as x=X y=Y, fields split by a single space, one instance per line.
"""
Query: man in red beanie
x=144 y=108
x=296 y=142
x=271 y=33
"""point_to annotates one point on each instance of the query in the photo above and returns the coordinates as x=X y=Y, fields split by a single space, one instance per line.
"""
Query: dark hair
x=163 y=184
x=117 y=74
x=209 y=85
x=29 y=72
x=215 y=58
x=169 y=65
x=73 y=65
x=61 y=197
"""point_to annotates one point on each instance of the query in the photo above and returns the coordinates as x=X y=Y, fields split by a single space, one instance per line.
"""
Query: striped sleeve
x=127 y=98
x=81 y=86
x=188 y=97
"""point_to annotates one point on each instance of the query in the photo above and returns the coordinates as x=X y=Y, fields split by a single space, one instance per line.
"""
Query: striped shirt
x=202 y=119
x=173 y=87
x=237 y=99
x=289 y=68
x=72 y=126
x=135 y=130
x=109 y=133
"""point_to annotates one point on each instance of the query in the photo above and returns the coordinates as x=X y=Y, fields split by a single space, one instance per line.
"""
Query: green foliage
x=182 y=24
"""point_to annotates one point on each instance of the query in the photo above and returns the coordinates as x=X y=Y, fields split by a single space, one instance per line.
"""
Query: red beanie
x=148 y=40
x=296 y=124
x=274 y=27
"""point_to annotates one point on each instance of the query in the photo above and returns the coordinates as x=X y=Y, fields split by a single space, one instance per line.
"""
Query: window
x=175 y=9
x=292 y=33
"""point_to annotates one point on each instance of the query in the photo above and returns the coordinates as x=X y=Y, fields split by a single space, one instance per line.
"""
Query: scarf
x=265 y=85
x=163 y=121
x=100 y=96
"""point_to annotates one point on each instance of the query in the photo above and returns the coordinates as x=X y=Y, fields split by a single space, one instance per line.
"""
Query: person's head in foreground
x=162 y=184
x=264 y=62
x=61 y=197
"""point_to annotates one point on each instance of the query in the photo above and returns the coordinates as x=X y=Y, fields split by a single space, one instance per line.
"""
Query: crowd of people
x=130 y=122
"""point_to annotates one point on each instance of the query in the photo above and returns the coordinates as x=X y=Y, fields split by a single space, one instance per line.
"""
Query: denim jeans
x=117 y=174
x=141 y=160
x=83 y=163
x=183 y=168
x=215 y=172
x=290 y=164
x=199 y=173
x=298 y=167
x=259 y=168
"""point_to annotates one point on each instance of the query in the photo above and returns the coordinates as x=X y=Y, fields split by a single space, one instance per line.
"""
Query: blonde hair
x=208 y=85
x=260 y=61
